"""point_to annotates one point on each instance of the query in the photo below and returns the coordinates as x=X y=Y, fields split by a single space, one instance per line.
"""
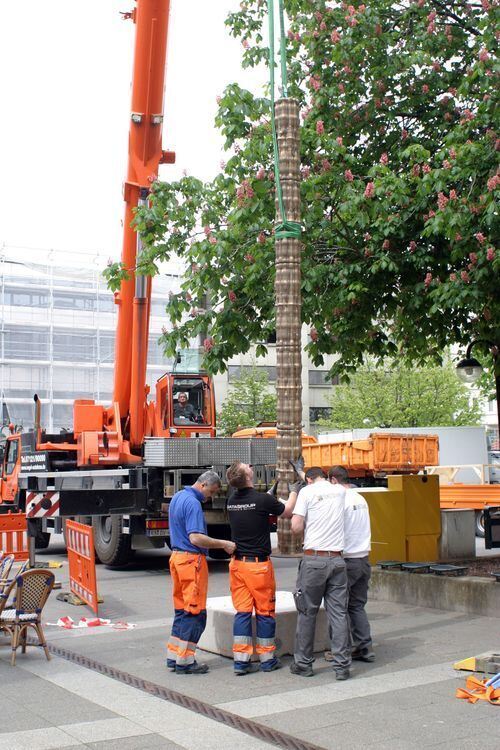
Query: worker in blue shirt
x=189 y=571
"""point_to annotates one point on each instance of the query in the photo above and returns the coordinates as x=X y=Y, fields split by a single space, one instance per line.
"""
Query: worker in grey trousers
x=357 y=545
x=319 y=514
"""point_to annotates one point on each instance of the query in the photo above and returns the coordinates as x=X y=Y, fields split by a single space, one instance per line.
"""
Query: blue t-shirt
x=185 y=517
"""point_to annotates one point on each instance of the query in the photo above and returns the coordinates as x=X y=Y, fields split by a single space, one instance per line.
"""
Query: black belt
x=251 y=558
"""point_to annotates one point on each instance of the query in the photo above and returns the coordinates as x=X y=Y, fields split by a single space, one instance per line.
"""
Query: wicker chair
x=31 y=590
x=5 y=565
x=6 y=582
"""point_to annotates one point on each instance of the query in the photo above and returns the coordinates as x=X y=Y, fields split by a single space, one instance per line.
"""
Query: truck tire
x=112 y=547
x=42 y=539
x=480 y=523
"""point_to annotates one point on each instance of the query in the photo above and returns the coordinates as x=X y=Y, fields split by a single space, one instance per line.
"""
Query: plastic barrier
x=81 y=558
x=14 y=536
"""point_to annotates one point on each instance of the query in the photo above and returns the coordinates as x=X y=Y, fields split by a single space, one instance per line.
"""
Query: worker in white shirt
x=357 y=545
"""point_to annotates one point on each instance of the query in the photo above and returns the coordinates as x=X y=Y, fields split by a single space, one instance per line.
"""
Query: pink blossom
x=348 y=175
x=458 y=237
x=453 y=276
x=426 y=169
x=222 y=164
x=480 y=238
x=465 y=276
x=490 y=253
x=318 y=16
x=347 y=69
x=432 y=214
x=261 y=238
x=367 y=236
x=339 y=140
x=248 y=257
x=315 y=83
x=188 y=297
x=212 y=240
x=320 y=127
x=218 y=99
x=446 y=164
x=386 y=244
x=322 y=26
x=335 y=36
x=341 y=88
x=232 y=296
x=425 y=89
x=369 y=190
x=245 y=44
x=207 y=231
x=353 y=22
x=404 y=134
x=453 y=153
x=453 y=195
x=368 y=253
x=297 y=37
x=415 y=170
x=290 y=34
x=473 y=258
x=413 y=246
x=261 y=173
x=427 y=280
x=431 y=28
x=486 y=5
x=384 y=159
x=432 y=16
x=313 y=334
x=306 y=171
x=442 y=201
x=436 y=66
x=493 y=182
x=325 y=165
x=483 y=55
x=208 y=343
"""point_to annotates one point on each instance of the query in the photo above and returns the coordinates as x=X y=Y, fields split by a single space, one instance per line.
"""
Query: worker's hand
x=298 y=466
x=296 y=486
x=228 y=547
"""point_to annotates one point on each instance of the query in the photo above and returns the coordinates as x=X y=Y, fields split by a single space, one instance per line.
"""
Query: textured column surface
x=288 y=313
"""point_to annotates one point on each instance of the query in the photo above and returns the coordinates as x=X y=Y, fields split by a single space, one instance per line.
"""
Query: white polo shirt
x=356 y=525
x=322 y=506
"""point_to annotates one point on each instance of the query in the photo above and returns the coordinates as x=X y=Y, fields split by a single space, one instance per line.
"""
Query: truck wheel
x=480 y=523
x=112 y=547
x=42 y=539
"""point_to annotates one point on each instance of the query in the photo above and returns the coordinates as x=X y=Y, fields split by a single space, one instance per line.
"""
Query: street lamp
x=469 y=370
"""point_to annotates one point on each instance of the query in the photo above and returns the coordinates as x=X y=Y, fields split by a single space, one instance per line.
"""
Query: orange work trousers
x=253 y=588
x=189 y=573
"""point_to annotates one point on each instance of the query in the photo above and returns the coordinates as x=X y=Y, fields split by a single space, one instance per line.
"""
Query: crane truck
x=121 y=464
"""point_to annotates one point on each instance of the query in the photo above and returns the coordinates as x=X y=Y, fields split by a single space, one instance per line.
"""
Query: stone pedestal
x=218 y=635
x=458 y=535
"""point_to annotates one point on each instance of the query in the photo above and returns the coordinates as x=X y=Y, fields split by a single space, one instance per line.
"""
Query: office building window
x=320 y=377
x=319 y=412
x=236 y=371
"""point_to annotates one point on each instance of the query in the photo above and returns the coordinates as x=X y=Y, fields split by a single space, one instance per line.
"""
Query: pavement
x=404 y=700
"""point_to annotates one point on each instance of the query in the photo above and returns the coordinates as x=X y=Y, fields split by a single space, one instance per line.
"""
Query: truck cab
x=185 y=406
x=10 y=469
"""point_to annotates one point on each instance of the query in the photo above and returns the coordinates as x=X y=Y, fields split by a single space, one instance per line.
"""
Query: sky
x=65 y=92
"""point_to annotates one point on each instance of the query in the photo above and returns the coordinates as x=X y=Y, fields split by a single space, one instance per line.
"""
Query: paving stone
x=140 y=742
x=104 y=729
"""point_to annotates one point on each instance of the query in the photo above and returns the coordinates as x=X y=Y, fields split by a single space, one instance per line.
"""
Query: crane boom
x=145 y=154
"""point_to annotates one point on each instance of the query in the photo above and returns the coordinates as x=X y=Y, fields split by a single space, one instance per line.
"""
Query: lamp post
x=469 y=370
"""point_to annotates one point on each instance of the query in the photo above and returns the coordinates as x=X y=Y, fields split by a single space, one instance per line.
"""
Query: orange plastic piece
x=476 y=690
x=81 y=558
x=474 y=496
x=14 y=535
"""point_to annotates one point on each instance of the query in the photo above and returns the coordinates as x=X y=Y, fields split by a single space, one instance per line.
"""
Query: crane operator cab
x=187 y=405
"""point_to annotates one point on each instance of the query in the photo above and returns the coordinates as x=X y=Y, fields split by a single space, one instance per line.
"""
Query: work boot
x=271 y=666
x=341 y=674
x=364 y=654
x=247 y=669
x=301 y=671
x=171 y=664
x=329 y=656
x=193 y=668
x=298 y=466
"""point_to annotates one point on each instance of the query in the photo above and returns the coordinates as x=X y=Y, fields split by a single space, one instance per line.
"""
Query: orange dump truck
x=376 y=456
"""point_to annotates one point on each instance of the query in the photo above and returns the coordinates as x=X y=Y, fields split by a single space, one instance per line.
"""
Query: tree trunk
x=288 y=314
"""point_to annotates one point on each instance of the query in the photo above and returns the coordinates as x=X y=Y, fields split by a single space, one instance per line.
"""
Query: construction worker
x=319 y=515
x=183 y=409
x=189 y=571
x=251 y=573
x=357 y=545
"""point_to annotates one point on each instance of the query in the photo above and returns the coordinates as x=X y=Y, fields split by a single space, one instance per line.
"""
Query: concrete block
x=218 y=635
x=458 y=534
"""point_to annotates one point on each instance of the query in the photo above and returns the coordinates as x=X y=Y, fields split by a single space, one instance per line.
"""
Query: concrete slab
x=458 y=534
x=218 y=635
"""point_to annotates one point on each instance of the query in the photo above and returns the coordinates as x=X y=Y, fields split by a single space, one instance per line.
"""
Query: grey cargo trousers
x=321 y=578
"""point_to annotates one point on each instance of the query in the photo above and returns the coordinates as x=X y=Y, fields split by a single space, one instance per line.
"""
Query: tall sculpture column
x=288 y=312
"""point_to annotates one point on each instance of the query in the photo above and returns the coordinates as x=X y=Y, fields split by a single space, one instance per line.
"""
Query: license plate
x=156 y=532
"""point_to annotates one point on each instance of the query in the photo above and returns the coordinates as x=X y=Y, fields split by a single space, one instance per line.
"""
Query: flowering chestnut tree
x=400 y=176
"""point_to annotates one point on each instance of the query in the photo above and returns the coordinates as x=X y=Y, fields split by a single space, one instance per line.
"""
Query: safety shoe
x=364 y=654
x=276 y=664
x=341 y=674
x=194 y=668
x=329 y=656
x=171 y=664
x=247 y=669
x=301 y=671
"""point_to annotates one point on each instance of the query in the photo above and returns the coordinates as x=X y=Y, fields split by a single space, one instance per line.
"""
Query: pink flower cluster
x=261 y=173
x=480 y=238
x=232 y=296
x=490 y=253
x=335 y=36
x=413 y=246
x=493 y=183
x=208 y=343
x=339 y=140
x=384 y=159
x=320 y=127
x=370 y=190
x=315 y=82
x=442 y=201
x=427 y=280
x=313 y=334
x=348 y=175
x=261 y=238
x=244 y=193
x=483 y=55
